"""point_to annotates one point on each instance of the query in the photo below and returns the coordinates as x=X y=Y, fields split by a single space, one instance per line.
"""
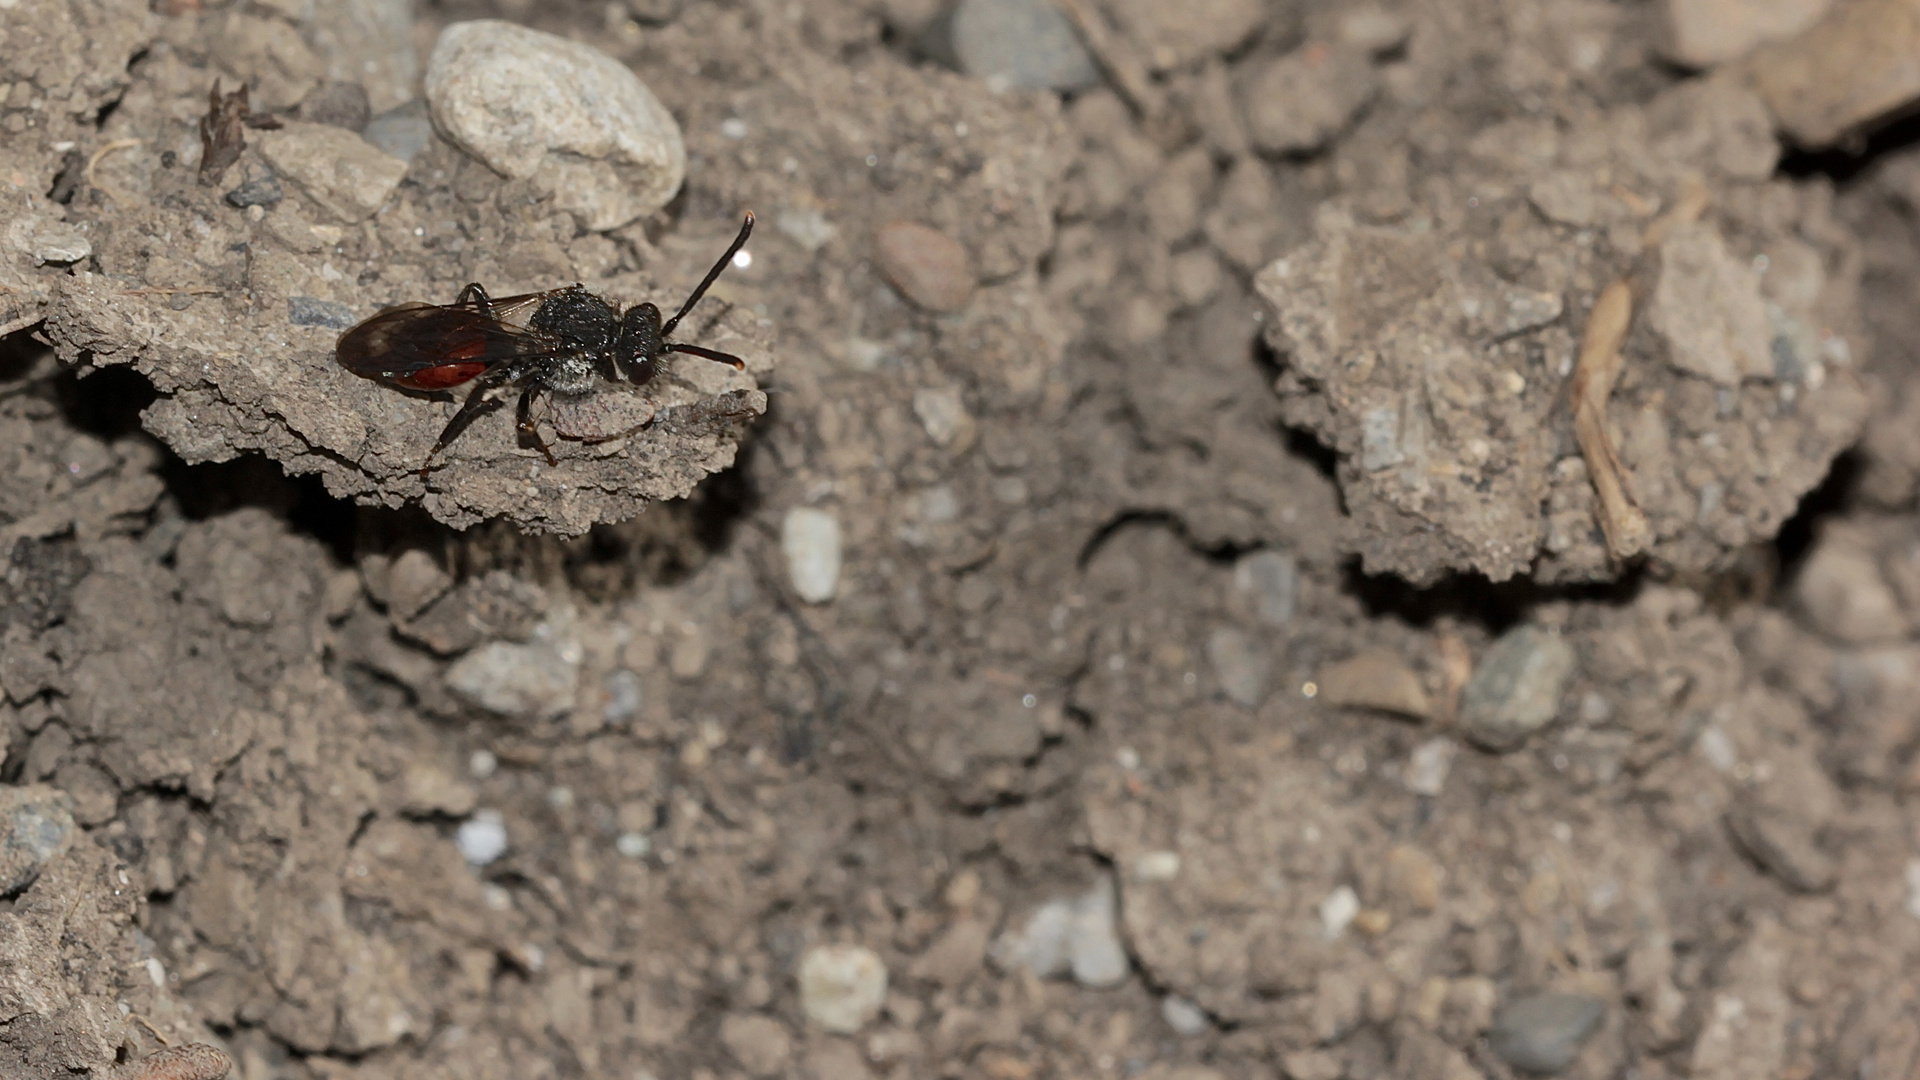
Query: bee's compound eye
x=644 y=368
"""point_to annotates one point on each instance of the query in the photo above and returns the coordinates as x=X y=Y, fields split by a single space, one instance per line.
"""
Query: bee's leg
x=529 y=432
x=484 y=399
x=476 y=295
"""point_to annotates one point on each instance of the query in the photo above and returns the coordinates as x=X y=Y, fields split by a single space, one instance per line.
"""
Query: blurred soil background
x=1259 y=539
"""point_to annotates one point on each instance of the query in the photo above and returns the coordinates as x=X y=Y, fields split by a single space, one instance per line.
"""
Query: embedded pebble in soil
x=1428 y=765
x=1702 y=33
x=427 y=790
x=1543 y=1033
x=1078 y=937
x=521 y=682
x=1240 y=664
x=1515 y=689
x=1025 y=43
x=760 y=1044
x=58 y=243
x=312 y=311
x=36 y=824
x=1271 y=580
x=842 y=986
x=482 y=838
x=572 y=118
x=1375 y=679
x=261 y=189
x=415 y=580
x=1784 y=845
x=345 y=175
x=810 y=538
x=929 y=267
x=402 y=131
x=1183 y=1016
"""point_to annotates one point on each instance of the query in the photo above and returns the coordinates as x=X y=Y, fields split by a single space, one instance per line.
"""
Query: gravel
x=572 y=118
x=522 y=682
x=482 y=838
x=1183 y=1016
x=929 y=267
x=810 y=538
x=1271 y=580
x=1542 y=1033
x=1515 y=690
x=261 y=190
x=1240 y=664
x=842 y=986
x=36 y=824
x=1078 y=937
x=1025 y=43
x=347 y=176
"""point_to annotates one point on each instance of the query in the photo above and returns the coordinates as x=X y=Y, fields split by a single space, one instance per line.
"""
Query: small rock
x=1843 y=593
x=1853 y=67
x=1516 y=689
x=1337 y=911
x=1428 y=766
x=1240 y=665
x=1026 y=43
x=760 y=1044
x=1413 y=878
x=414 y=581
x=1157 y=866
x=523 y=682
x=1271 y=580
x=261 y=190
x=625 y=694
x=1175 y=35
x=58 y=243
x=945 y=418
x=1708 y=309
x=574 y=119
x=1300 y=101
x=427 y=790
x=482 y=838
x=1375 y=679
x=1079 y=937
x=955 y=955
x=929 y=267
x=1702 y=33
x=1542 y=1033
x=346 y=175
x=1784 y=845
x=402 y=131
x=1183 y=1016
x=842 y=987
x=36 y=824
x=811 y=540
x=341 y=104
x=313 y=311
x=806 y=226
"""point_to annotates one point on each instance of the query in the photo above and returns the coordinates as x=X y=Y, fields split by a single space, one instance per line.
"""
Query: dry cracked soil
x=1255 y=540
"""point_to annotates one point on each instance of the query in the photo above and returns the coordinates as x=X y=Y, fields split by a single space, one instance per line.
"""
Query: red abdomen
x=442 y=376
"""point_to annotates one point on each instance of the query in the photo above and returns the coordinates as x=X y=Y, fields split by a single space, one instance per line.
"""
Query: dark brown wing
x=435 y=346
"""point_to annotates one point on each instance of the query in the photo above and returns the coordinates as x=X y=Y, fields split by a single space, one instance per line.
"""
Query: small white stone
x=482 y=838
x=528 y=682
x=1183 y=1016
x=842 y=987
x=811 y=540
x=634 y=845
x=482 y=764
x=1337 y=911
x=1427 y=769
x=1157 y=866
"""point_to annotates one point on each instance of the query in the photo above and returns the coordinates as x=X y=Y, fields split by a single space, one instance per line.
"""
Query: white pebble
x=1427 y=769
x=842 y=987
x=811 y=539
x=634 y=845
x=482 y=764
x=1337 y=911
x=1183 y=1016
x=482 y=838
x=1157 y=866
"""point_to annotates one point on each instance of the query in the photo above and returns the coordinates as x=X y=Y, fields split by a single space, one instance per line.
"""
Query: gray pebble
x=402 y=131
x=313 y=311
x=572 y=118
x=1542 y=1033
x=1516 y=688
x=1183 y=1016
x=1271 y=579
x=261 y=190
x=1026 y=43
x=36 y=824
x=526 y=682
x=1784 y=845
x=1240 y=665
